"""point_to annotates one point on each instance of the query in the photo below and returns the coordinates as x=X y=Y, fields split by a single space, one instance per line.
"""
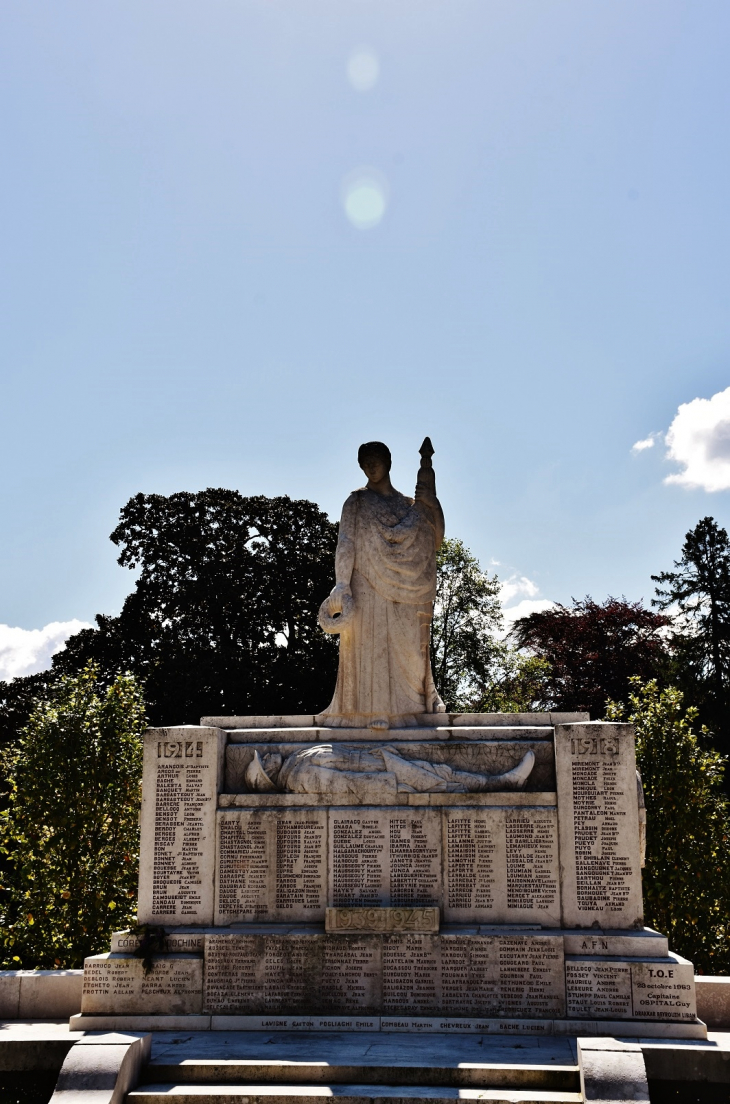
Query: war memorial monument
x=386 y=866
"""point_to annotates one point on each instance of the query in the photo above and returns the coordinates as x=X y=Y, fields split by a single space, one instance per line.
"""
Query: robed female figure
x=382 y=603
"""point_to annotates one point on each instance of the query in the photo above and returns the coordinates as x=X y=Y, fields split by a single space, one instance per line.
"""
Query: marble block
x=621 y=989
x=384 y=856
x=117 y=984
x=176 y=942
x=503 y=975
x=381 y=919
x=501 y=865
x=305 y=973
x=271 y=864
x=182 y=775
x=403 y=973
x=598 y=819
x=643 y=943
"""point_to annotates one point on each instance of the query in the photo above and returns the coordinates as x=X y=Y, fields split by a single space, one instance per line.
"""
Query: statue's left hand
x=337 y=609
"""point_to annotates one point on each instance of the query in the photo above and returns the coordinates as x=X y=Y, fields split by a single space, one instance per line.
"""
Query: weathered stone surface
x=181 y=779
x=117 y=984
x=101 y=1072
x=9 y=994
x=501 y=865
x=414 y=800
x=609 y=988
x=405 y=973
x=503 y=975
x=271 y=865
x=304 y=973
x=611 y=1072
x=620 y=944
x=320 y=735
x=664 y=989
x=49 y=994
x=382 y=919
x=599 y=825
x=384 y=857
x=176 y=942
x=301 y=720
x=713 y=1001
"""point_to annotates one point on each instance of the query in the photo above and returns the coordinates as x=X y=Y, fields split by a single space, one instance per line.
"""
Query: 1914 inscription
x=180 y=785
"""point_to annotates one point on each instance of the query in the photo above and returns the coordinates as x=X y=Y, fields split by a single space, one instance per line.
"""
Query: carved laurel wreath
x=336 y=622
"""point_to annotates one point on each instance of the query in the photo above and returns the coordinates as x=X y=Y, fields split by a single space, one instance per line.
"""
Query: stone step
x=365 y=1058
x=459 y=1075
x=345 y=1094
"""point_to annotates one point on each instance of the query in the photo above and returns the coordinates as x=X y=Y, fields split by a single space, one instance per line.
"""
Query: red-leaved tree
x=594 y=649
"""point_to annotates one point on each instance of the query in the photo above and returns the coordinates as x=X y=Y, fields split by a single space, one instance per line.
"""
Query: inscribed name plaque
x=501 y=865
x=117 y=983
x=181 y=778
x=502 y=975
x=382 y=919
x=300 y=972
x=384 y=856
x=411 y=974
x=608 y=988
x=599 y=825
x=271 y=865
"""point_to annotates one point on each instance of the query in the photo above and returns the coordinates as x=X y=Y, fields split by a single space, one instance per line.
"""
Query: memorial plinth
x=474 y=872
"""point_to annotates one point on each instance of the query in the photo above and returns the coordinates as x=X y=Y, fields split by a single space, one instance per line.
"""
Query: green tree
x=70 y=833
x=223 y=617
x=699 y=588
x=467 y=615
x=686 y=878
x=474 y=669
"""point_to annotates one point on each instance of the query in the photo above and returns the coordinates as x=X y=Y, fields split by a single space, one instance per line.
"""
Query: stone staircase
x=283 y=1068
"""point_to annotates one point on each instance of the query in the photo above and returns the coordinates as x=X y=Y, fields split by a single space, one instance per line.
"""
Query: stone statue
x=382 y=603
x=372 y=772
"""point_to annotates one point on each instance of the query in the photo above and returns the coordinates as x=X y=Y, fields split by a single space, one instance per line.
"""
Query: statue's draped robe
x=385 y=669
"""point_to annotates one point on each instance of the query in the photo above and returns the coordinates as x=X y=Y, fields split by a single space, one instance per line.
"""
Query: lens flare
x=363 y=69
x=365 y=197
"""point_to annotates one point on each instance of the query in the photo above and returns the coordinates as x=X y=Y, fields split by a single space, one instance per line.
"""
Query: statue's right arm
x=345 y=554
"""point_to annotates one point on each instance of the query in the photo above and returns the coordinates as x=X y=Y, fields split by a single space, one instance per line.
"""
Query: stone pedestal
x=409 y=898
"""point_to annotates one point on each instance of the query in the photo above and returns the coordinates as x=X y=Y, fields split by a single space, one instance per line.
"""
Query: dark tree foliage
x=594 y=649
x=18 y=699
x=700 y=588
x=223 y=618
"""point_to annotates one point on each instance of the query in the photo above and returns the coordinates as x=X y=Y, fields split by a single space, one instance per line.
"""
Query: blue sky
x=186 y=303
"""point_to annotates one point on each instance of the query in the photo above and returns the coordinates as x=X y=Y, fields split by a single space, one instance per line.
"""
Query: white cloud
x=525 y=608
x=699 y=440
x=517 y=586
x=646 y=443
x=27 y=651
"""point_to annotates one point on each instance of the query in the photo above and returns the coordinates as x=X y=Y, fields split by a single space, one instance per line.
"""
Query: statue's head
x=374 y=459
